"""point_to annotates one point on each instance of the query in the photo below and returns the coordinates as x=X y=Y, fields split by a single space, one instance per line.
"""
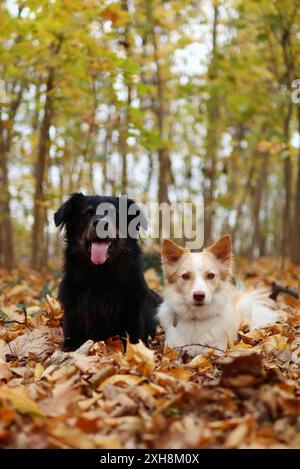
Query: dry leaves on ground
x=101 y=397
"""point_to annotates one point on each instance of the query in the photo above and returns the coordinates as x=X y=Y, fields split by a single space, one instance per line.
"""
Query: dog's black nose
x=199 y=296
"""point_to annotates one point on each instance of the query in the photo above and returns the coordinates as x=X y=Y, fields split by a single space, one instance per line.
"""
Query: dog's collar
x=176 y=319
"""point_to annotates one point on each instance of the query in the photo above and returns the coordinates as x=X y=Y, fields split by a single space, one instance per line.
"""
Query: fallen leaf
x=141 y=356
x=62 y=373
x=200 y=362
x=20 y=401
x=237 y=436
x=5 y=373
x=70 y=437
x=129 y=380
x=178 y=373
x=244 y=370
x=86 y=364
x=7 y=416
x=38 y=371
x=17 y=291
x=31 y=344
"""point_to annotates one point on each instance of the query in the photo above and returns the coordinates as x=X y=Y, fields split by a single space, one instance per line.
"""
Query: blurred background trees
x=164 y=100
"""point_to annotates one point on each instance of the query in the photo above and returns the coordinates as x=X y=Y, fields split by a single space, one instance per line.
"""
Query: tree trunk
x=212 y=138
x=5 y=214
x=263 y=170
x=125 y=111
x=288 y=59
x=160 y=109
x=38 y=238
x=7 y=258
x=295 y=252
x=286 y=218
x=246 y=190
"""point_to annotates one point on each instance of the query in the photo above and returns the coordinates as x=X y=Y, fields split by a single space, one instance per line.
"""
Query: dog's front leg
x=73 y=337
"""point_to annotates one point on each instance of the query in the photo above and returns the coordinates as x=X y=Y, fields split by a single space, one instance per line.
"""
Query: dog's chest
x=103 y=299
x=196 y=337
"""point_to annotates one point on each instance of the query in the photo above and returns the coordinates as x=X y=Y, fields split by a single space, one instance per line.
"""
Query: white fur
x=215 y=324
x=214 y=328
x=255 y=307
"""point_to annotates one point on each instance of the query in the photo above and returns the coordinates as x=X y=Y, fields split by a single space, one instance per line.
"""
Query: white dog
x=200 y=304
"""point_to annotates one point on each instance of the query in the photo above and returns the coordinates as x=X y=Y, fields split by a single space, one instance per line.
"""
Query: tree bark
x=295 y=253
x=246 y=190
x=286 y=219
x=7 y=254
x=7 y=246
x=263 y=171
x=212 y=138
x=38 y=235
x=286 y=215
x=160 y=110
x=38 y=238
x=125 y=111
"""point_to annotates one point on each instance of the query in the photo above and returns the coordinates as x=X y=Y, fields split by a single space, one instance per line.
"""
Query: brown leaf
x=63 y=397
x=141 y=356
x=290 y=406
x=178 y=373
x=69 y=437
x=129 y=380
x=7 y=416
x=237 y=436
x=20 y=401
x=97 y=378
x=31 y=344
x=244 y=370
x=5 y=373
x=86 y=364
x=200 y=362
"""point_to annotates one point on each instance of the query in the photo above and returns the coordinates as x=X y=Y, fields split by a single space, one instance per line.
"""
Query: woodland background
x=164 y=100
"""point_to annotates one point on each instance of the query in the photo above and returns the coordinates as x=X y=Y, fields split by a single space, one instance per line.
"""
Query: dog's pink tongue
x=99 y=253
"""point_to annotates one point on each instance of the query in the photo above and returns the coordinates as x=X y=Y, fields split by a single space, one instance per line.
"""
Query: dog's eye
x=210 y=276
x=89 y=212
x=186 y=276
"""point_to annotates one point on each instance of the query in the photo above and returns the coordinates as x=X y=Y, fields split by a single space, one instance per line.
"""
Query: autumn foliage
x=101 y=397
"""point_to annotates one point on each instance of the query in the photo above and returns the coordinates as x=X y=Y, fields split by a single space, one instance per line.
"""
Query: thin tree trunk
x=6 y=229
x=5 y=214
x=38 y=238
x=125 y=112
x=286 y=219
x=212 y=138
x=295 y=252
x=38 y=235
x=286 y=216
x=247 y=188
x=263 y=171
x=288 y=59
x=149 y=177
x=160 y=109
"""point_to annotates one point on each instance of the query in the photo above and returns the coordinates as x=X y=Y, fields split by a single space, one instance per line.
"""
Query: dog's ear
x=171 y=252
x=222 y=250
x=63 y=213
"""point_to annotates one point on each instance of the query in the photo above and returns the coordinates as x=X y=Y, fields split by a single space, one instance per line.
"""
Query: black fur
x=103 y=300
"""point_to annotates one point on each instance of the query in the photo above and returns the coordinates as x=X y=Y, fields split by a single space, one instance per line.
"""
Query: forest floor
x=101 y=397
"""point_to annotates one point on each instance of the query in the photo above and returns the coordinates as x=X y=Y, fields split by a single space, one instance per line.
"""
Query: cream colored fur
x=216 y=321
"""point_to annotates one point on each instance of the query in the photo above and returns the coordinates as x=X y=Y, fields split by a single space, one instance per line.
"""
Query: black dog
x=103 y=291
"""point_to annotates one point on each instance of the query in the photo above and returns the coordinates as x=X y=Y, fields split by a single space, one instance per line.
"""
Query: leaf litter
x=102 y=397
